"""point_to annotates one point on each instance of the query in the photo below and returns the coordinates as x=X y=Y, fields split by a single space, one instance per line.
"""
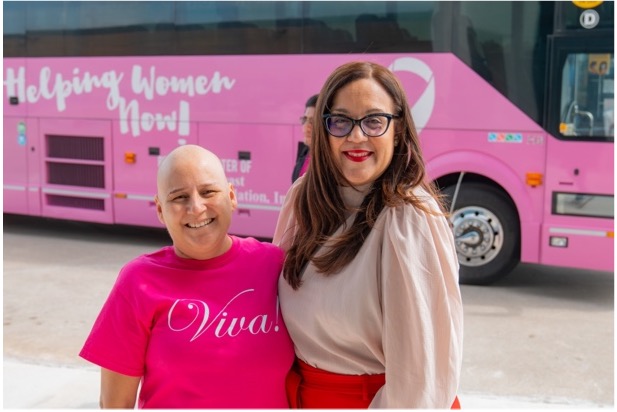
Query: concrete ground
x=45 y=386
x=541 y=338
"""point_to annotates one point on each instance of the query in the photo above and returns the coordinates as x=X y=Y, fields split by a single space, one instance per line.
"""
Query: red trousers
x=312 y=388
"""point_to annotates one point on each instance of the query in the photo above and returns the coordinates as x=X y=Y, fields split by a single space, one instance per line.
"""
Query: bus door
x=246 y=152
x=20 y=157
x=136 y=161
x=579 y=182
x=21 y=166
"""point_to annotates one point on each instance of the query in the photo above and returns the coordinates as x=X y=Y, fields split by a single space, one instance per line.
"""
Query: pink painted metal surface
x=15 y=164
x=245 y=109
x=586 y=168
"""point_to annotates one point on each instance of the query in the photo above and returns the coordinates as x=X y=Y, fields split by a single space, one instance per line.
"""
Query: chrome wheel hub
x=478 y=235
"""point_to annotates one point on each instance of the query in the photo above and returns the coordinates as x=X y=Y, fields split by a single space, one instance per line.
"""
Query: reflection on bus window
x=587 y=96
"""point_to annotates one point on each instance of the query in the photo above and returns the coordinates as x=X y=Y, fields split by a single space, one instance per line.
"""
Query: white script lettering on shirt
x=224 y=326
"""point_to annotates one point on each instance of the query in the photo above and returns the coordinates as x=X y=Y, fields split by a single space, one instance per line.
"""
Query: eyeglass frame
x=358 y=122
x=305 y=120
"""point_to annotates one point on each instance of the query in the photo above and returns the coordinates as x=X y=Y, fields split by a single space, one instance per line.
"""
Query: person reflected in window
x=302 y=156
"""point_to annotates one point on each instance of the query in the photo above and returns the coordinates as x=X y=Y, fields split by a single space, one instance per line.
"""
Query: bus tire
x=486 y=232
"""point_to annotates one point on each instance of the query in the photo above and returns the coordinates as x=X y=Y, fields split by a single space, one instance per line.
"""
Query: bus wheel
x=486 y=232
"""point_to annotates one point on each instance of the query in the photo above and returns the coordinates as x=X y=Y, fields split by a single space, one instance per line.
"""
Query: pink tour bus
x=513 y=102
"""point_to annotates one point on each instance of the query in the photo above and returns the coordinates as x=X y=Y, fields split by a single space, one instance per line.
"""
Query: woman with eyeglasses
x=302 y=156
x=369 y=290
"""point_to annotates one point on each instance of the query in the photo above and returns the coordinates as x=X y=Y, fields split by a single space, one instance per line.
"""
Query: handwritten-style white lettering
x=145 y=85
x=131 y=119
x=158 y=85
x=226 y=325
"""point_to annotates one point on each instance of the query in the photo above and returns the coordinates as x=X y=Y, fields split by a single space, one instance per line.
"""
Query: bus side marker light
x=533 y=179
x=120 y=195
x=558 y=241
x=610 y=234
x=130 y=157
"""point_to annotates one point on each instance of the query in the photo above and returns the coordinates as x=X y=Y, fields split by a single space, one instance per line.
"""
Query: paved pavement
x=542 y=338
x=36 y=386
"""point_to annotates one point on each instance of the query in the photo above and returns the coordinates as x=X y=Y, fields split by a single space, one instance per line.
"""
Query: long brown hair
x=319 y=208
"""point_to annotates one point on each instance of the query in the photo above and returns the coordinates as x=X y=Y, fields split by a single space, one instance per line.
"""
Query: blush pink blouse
x=395 y=309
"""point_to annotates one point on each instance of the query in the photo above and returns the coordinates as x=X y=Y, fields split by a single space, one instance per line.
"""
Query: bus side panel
x=76 y=169
x=15 y=163
x=14 y=91
x=451 y=152
x=257 y=160
x=589 y=244
x=579 y=191
x=136 y=161
x=21 y=191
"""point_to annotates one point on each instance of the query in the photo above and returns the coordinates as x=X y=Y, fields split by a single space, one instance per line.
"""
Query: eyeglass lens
x=372 y=125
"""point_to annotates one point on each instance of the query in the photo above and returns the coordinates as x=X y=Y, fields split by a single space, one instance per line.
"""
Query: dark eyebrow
x=345 y=112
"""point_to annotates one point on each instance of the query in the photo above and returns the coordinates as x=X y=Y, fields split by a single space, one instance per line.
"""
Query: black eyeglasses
x=373 y=125
x=304 y=120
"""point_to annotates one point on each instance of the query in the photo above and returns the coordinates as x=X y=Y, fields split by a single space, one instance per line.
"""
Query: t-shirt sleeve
x=422 y=311
x=119 y=337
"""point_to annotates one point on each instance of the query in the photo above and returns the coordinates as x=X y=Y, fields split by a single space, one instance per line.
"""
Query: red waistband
x=313 y=388
x=310 y=387
x=336 y=381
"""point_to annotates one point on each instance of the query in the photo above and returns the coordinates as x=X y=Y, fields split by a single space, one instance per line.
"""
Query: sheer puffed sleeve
x=422 y=310
x=283 y=233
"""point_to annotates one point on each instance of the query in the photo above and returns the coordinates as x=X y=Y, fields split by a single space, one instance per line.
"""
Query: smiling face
x=362 y=159
x=195 y=202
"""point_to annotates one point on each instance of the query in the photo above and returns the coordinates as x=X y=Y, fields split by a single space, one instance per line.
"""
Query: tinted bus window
x=99 y=28
x=505 y=43
x=368 y=27
x=45 y=28
x=14 y=24
x=119 y=28
x=238 y=27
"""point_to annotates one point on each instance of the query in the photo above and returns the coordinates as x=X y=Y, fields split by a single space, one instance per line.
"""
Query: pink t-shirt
x=201 y=333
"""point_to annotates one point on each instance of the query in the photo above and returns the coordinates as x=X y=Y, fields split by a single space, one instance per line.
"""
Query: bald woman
x=196 y=323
